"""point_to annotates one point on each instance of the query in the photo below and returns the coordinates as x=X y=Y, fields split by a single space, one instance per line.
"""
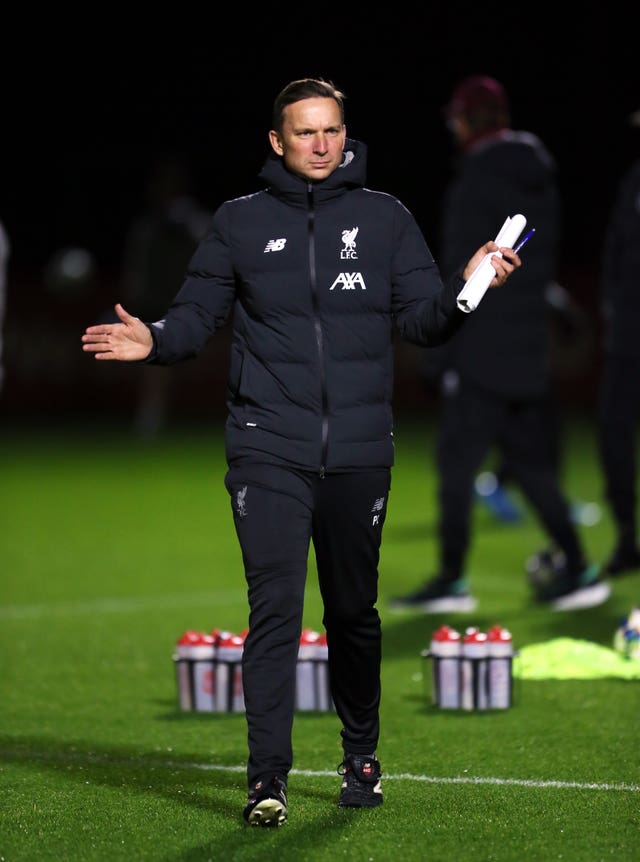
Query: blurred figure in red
x=495 y=372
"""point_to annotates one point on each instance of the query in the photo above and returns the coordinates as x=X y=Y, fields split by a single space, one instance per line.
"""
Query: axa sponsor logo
x=349 y=281
x=275 y=245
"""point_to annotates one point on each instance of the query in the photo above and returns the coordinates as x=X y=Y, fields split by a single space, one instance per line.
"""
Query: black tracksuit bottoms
x=278 y=512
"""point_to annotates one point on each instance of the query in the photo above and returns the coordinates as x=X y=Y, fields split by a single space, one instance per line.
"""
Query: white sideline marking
x=462 y=779
x=319 y=773
x=119 y=605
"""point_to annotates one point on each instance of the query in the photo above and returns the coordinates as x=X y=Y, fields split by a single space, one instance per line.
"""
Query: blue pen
x=524 y=239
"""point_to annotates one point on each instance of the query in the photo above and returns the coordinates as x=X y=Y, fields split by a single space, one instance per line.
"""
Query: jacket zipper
x=318 y=328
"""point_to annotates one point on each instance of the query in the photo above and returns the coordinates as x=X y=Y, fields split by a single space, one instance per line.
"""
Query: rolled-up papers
x=482 y=276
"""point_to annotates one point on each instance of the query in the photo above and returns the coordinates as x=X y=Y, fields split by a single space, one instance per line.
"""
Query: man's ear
x=276 y=143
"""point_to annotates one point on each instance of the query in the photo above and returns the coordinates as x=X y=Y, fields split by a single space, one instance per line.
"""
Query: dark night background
x=89 y=101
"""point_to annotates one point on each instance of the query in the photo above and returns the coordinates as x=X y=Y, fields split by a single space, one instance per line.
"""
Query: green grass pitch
x=110 y=547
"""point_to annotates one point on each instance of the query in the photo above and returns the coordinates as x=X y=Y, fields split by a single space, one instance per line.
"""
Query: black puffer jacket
x=505 y=348
x=316 y=275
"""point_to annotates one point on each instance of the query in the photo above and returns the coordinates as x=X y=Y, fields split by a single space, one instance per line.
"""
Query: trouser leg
x=465 y=432
x=618 y=412
x=526 y=441
x=350 y=510
x=273 y=527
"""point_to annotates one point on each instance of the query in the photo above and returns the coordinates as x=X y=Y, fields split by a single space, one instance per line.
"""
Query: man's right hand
x=128 y=341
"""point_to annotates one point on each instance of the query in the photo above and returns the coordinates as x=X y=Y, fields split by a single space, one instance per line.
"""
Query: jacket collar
x=294 y=189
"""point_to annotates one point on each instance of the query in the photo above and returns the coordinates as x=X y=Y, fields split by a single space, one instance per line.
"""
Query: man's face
x=312 y=138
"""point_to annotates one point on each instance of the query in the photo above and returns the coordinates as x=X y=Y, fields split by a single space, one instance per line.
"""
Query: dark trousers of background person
x=277 y=513
x=472 y=423
x=619 y=415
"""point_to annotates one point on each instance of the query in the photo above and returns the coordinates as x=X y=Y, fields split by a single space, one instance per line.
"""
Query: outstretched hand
x=503 y=266
x=128 y=341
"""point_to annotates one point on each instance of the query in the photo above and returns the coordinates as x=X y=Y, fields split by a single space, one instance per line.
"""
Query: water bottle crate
x=471 y=672
x=208 y=669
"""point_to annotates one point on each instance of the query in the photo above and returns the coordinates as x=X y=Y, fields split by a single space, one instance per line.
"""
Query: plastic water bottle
x=195 y=671
x=500 y=658
x=229 y=691
x=306 y=694
x=445 y=652
x=324 y=701
x=182 y=659
x=474 y=670
x=204 y=674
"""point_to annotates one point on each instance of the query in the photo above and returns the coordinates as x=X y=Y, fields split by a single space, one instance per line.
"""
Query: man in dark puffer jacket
x=317 y=271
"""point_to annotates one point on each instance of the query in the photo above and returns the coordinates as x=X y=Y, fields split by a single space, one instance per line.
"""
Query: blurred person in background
x=495 y=372
x=317 y=272
x=5 y=250
x=158 y=246
x=619 y=398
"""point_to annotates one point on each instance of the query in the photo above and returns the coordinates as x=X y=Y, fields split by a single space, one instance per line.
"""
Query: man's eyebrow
x=328 y=128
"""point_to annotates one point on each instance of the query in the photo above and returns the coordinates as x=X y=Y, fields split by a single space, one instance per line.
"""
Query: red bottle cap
x=191 y=638
x=497 y=633
x=227 y=639
x=445 y=634
x=474 y=636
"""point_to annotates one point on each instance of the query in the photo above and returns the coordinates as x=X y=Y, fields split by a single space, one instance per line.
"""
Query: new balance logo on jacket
x=275 y=245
